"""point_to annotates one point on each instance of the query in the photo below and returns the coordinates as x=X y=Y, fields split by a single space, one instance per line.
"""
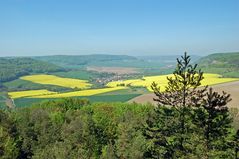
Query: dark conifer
x=181 y=92
x=215 y=120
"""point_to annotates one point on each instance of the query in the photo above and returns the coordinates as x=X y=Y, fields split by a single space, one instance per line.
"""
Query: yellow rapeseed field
x=30 y=93
x=212 y=79
x=89 y=92
x=209 y=79
x=59 y=81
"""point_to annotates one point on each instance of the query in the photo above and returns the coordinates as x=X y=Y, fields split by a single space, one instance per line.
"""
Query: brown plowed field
x=230 y=87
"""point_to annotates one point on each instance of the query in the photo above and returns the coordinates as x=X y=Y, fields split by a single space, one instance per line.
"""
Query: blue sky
x=133 y=27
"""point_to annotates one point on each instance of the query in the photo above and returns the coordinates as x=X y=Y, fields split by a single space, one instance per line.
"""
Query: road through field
x=230 y=87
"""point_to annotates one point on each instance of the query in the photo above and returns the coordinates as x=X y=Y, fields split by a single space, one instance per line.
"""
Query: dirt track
x=231 y=88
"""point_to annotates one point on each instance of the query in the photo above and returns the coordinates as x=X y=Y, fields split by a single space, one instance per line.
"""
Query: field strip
x=58 y=81
x=29 y=93
x=89 y=92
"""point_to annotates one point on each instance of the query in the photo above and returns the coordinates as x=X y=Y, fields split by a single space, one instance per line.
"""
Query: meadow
x=59 y=81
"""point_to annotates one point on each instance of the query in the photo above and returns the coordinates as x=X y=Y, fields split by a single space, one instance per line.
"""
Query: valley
x=101 y=78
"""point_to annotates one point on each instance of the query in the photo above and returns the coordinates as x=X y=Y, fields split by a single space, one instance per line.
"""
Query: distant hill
x=147 y=65
x=14 y=67
x=171 y=59
x=71 y=61
x=226 y=64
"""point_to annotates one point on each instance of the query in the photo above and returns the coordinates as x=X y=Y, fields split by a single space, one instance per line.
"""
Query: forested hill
x=14 y=67
x=226 y=64
x=83 y=60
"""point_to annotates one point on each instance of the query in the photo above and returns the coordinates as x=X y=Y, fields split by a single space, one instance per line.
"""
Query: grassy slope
x=226 y=64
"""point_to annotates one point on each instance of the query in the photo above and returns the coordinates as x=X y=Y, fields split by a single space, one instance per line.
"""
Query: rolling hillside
x=226 y=64
x=14 y=67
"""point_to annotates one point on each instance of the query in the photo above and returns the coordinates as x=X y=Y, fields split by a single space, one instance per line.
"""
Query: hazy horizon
x=135 y=27
x=129 y=54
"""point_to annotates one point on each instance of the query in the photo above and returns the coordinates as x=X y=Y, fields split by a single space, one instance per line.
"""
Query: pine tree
x=182 y=92
x=215 y=105
x=215 y=120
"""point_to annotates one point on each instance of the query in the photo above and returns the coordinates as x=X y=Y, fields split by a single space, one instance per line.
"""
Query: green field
x=130 y=90
x=25 y=102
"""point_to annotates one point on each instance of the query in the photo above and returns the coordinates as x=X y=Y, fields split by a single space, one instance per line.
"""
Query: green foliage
x=69 y=128
x=12 y=68
x=236 y=143
x=49 y=130
x=234 y=114
x=131 y=143
x=8 y=137
x=216 y=123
